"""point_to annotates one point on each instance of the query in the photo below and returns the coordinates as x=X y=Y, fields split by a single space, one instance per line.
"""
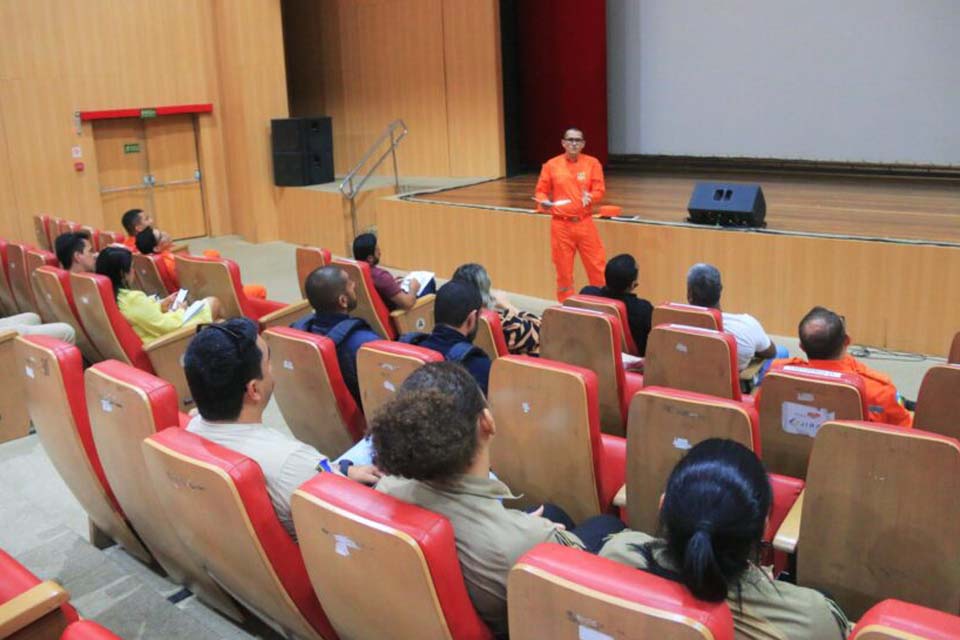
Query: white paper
x=803 y=420
x=179 y=300
x=423 y=277
x=193 y=310
x=553 y=203
x=586 y=633
x=819 y=372
x=630 y=361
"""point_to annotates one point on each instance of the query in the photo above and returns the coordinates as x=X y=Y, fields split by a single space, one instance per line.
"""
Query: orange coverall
x=572 y=227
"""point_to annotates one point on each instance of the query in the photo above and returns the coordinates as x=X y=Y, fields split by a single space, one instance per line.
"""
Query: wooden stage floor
x=875 y=208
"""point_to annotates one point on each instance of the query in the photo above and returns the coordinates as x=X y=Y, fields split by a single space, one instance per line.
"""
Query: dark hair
x=68 y=244
x=115 y=263
x=713 y=516
x=428 y=431
x=130 y=219
x=323 y=286
x=703 y=285
x=621 y=272
x=455 y=301
x=219 y=362
x=822 y=333
x=146 y=240
x=364 y=246
x=476 y=275
x=570 y=128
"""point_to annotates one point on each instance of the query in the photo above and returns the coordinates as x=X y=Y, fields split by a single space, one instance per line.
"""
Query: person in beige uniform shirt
x=434 y=440
x=713 y=514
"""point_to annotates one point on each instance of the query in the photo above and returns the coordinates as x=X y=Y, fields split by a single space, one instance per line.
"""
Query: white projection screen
x=874 y=81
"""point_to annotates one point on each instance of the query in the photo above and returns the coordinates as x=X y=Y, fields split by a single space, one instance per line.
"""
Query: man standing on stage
x=569 y=185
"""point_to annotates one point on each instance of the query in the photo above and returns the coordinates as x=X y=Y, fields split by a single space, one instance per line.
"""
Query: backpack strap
x=462 y=350
x=344 y=328
x=413 y=337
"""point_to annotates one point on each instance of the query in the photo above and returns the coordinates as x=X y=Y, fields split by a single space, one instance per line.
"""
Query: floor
x=44 y=527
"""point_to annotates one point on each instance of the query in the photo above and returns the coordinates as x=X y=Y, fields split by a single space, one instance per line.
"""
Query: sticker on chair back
x=288 y=364
x=342 y=545
x=682 y=348
x=588 y=633
x=681 y=443
x=802 y=420
x=421 y=323
x=29 y=371
x=389 y=386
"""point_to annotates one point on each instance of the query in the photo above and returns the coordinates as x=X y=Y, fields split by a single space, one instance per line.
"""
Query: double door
x=151 y=164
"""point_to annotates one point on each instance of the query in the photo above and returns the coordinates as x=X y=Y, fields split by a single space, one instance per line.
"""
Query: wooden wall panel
x=893 y=295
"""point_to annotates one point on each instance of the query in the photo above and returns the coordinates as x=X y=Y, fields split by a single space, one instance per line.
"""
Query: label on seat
x=803 y=420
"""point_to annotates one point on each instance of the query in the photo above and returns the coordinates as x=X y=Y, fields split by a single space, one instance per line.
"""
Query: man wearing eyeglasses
x=569 y=186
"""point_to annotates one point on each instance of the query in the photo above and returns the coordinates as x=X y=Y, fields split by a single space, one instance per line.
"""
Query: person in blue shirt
x=333 y=295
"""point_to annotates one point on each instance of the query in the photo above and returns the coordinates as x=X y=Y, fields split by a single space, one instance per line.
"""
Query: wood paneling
x=321 y=217
x=172 y=158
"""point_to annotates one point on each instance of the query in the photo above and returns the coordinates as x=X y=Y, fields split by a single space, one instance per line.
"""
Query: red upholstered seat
x=220 y=277
x=892 y=619
x=8 y=303
x=16 y=579
x=396 y=566
x=41 y=228
x=314 y=401
x=786 y=490
x=549 y=446
x=17 y=275
x=490 y=336
x=110 y=332
x=599 y=303
x=561 y=592
x=88 y=630
x=688 y=314
x=67 y=226
x=218 y=502
x=382 y=366
x=106 y=238
x=693 y=359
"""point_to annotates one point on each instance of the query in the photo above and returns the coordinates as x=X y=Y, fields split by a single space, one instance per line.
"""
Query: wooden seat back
x=53 y=292
x=382 y=366
x=692 y=359
x=370 y=306
x=688 y=314
x=41 y=229
x=149 y=278
x=204 y=277
x=309 y=259
x=108 y=330
x=490 y=336
x=8 y=303
x=954 y=356
x=607 y=305
x=19 y=278
x=938 y=402
x=14 y=418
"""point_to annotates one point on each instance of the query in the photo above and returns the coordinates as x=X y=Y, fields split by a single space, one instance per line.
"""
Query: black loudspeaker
x=302 y=151
x=729 y=205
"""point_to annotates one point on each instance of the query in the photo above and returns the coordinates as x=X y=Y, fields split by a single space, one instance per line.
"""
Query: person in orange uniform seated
x=134 y=221
x=823 y=337
x=576 y=178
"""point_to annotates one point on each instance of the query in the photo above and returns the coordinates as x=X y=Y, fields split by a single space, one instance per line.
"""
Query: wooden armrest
x=182 y=247
x=753 y=368
x=285 y=316
x=421 y=302
x=419 y=317
x=620 y=500
x=789 y=531
x=166 y=357
x=30 y=606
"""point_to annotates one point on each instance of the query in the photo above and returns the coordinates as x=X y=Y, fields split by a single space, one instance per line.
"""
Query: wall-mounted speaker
x=302 y=151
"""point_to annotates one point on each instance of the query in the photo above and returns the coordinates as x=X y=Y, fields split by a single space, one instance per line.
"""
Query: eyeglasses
x=240 y=341
x=574 y=140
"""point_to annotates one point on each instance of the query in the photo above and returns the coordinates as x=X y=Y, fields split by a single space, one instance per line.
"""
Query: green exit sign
x=131 y=148
x=148 y=113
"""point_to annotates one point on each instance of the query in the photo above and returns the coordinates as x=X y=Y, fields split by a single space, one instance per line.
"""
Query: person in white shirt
x=703 y=289
x=227 y=366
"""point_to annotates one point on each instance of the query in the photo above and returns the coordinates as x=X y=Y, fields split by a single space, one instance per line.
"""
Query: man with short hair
x=228 y=371
x=366 y=249
x=134 y=221
x=456 y=313
x=823 y=337
x=75 y=252
x=704 y=289
x=621 y=275
x=333 y=295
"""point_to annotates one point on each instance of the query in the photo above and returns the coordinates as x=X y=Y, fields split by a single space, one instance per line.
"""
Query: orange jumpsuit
x=883 y=401
x=572 y=227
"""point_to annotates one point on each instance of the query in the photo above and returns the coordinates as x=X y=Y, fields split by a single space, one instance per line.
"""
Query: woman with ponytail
x=712 y=517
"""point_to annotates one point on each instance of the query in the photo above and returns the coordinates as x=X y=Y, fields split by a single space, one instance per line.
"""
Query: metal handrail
x=347 y=186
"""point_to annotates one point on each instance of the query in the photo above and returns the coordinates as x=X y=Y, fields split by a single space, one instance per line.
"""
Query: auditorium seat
x=88 y=630
x=898 y=620
x=688 y=314
x=309 y=259
x=41 y=228
x=490 y=336
x=560 y=592
x=67 y=226
x=104 y=239
x=126 y=405
x=8 y=303
x=51 y=285
x=693 y=359
x=548 y=446
x=114 y=338
x=14 y=419
x=29 y=608
x=954 y=356
x=217 y=500
x=382 y=366
x=611 y=306
x=792 y=403
x=311 y=394
x=370 y=307
x=938 y=402
x=382 y=568
x=36 y=258
x=591 y=340
x=17 y=274
x=879 y=519
x=152 y=276
x=53 y=375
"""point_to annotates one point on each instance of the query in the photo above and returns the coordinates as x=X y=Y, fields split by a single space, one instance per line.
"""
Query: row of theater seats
x=202 y=512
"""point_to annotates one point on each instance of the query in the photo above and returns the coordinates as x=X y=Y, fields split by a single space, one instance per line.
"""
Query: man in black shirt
x=621 y=280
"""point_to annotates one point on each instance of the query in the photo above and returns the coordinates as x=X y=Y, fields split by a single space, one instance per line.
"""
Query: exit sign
x=131 y=148
x=148 y=113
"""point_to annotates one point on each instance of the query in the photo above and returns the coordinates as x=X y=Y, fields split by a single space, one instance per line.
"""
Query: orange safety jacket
x=561 y=179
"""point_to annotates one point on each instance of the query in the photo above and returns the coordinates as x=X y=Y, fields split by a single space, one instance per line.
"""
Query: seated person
x=823 y=337
x=712 y=517
x=366 y=249
x=621 y=275
x=134 y=221
x=228 y=371
x=703 y=289
x=455 y=313
x=75 y=252
x=149 y=317
x=521 y=329
x=333 y=295
x=433 y=439
x=30 y=324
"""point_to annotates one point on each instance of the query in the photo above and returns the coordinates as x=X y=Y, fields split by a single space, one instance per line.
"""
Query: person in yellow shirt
x=150 y=318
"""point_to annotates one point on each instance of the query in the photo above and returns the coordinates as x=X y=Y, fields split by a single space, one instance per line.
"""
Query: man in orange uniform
x=569 y=185
x=823 y=337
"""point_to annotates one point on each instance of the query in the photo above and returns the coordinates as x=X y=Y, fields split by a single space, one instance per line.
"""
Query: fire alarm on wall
x=78 y=167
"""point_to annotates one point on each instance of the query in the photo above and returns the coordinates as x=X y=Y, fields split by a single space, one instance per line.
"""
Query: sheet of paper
x=423 y=277
x=179 y=300
x=553 y=203
x=193 y=310
x=803 y=420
